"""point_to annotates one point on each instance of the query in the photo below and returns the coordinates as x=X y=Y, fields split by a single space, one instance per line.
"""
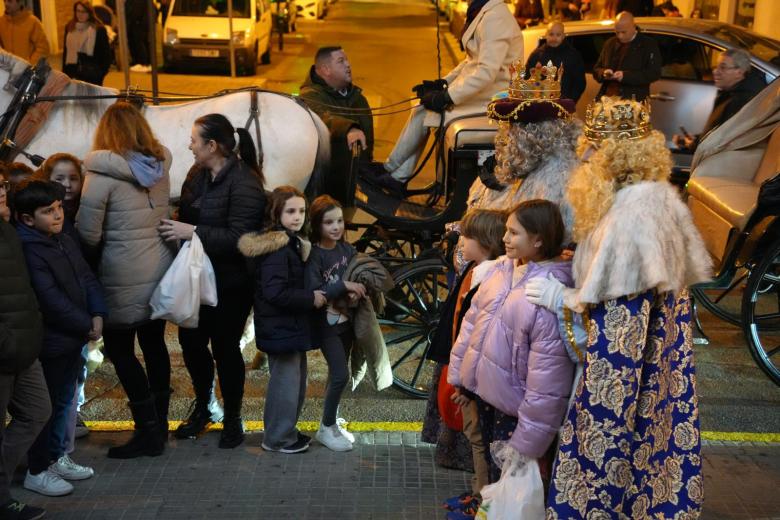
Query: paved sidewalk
x=387 y=476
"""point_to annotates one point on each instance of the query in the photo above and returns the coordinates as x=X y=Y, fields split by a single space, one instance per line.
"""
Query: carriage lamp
x=240 y=37
x=171 y=36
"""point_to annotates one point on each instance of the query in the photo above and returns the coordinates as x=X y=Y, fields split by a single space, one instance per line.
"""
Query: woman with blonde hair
x=86 y=53
x=125 y=196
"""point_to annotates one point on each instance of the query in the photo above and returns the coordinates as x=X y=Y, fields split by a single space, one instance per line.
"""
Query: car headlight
x=240 y=37
x=171 y=36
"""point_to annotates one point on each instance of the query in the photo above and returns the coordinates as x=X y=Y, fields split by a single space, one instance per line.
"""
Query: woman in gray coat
x=125 y=196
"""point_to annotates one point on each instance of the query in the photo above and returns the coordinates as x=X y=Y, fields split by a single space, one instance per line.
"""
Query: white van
x=196 y=32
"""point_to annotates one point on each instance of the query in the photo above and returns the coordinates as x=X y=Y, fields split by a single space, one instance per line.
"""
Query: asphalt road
x=392 y=46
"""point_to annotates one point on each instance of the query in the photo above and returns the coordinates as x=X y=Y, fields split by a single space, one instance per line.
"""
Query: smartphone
x=684 y=132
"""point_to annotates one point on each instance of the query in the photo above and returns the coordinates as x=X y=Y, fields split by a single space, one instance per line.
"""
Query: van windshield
x=211 y=8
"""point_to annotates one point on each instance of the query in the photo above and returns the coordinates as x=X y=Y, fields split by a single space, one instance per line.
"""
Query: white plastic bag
x=188 y=284
x=519 y=493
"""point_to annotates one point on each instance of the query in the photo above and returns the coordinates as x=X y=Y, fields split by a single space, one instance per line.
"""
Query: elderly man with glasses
x=736 y=86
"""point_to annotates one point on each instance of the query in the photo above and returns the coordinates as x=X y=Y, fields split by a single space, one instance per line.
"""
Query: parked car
x=197 y=33
x=312 y=9
x=689 y=50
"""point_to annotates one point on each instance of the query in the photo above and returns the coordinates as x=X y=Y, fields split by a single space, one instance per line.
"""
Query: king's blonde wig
x=614 y=164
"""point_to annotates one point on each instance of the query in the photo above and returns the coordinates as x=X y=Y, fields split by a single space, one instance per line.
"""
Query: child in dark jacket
x=282 y=315
x=325 y=268
x=482 y=234
x=73 y=308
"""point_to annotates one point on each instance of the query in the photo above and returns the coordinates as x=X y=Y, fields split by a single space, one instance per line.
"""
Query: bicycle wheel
x=761 y=313
x=409 y=320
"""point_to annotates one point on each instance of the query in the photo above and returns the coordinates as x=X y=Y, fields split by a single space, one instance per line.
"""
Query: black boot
x=146 y=439
x=161 y=401
x=196 y=423
x=232 y=431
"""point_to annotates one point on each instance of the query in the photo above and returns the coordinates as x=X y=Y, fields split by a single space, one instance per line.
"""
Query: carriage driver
x=329 y=92
x=492 y=41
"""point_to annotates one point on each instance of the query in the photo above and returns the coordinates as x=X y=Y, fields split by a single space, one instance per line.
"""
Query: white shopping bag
x=188 y=284
x=518 y=494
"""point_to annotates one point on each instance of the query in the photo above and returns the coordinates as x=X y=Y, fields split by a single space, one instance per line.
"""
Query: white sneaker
x=69 y=470
x=331 y=438
x=48 y=484
x=342 y=424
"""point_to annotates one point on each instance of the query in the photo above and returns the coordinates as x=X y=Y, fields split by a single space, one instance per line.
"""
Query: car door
x=263 y=25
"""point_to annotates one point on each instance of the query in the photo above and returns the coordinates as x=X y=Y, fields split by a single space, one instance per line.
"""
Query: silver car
x=689 y=49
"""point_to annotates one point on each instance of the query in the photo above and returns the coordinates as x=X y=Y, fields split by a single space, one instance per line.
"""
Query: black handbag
x=88 y=69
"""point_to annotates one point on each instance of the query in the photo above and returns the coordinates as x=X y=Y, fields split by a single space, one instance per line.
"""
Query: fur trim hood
x=259 y=244
x=647 y=240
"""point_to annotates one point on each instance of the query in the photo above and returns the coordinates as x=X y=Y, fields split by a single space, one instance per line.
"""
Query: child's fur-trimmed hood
x=258 y=244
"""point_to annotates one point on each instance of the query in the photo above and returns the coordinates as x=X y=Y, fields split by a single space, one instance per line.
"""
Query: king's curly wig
x=616 y=163
x=521 y=148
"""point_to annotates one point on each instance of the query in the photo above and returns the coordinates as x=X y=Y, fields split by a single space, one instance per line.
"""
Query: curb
x=708 y=437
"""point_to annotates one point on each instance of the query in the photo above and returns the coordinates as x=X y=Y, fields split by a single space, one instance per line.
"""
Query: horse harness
x=254 y=116
x=28 y=86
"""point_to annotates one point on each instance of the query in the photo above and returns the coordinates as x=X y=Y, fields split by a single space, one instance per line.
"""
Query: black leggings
x=223 y=326
x=120 y=349
x=336 y=346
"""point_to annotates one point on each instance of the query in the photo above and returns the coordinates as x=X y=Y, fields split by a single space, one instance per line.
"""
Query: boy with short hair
x=72 y=305
x=23 y=392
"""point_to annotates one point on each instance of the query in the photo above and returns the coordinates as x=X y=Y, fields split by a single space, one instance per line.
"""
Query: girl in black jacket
x=282 y=316
x=86 y=52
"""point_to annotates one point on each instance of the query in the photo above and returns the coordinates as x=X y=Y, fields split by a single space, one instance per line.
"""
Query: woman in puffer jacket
x=125 y=195
x=509 y=352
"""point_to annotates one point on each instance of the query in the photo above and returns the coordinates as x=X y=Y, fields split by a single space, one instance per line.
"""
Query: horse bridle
x=28 y=86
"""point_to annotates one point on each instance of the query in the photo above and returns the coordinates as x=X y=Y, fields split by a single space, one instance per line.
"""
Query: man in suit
x=629 y=62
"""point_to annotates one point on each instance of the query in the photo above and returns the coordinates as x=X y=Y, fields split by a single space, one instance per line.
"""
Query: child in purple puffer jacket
x=509 y=351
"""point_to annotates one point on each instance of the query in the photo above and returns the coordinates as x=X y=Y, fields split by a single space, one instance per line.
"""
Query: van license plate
x=204 y=53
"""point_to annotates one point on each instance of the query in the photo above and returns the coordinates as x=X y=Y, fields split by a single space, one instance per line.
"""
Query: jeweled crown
x=617 y=118
x=544 y=81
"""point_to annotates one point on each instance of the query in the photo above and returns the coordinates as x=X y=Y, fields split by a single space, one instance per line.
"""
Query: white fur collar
x=481 y=271
x=647 y=240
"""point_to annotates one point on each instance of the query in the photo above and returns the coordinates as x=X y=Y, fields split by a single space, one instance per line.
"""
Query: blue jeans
x=75 y=405
x=61 y=374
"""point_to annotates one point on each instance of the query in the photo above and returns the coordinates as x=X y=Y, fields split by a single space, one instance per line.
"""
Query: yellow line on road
x=115 y=426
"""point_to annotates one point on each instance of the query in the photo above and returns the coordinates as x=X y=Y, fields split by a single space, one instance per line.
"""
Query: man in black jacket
x=736 y=87
x=628 y=63
x=23 y=391
x=329 y=91
x=558 y=50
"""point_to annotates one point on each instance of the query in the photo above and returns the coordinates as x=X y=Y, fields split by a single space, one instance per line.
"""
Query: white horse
x=294 y=141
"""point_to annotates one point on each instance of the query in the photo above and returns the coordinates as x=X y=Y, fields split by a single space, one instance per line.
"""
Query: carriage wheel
x=723 y=303
x=392 y=249
x=409 y=321
x=761 y=313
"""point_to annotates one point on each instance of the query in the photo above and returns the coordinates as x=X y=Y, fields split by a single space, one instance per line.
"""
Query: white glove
x=545 y=292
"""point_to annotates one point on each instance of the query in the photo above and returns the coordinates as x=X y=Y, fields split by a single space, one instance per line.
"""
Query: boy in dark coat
x=22 y=386
x=72 y=305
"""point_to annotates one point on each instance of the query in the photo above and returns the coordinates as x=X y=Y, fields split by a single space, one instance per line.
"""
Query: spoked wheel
x=726 y=303
x=409 y=321
x=393 y=249
x=761 y=313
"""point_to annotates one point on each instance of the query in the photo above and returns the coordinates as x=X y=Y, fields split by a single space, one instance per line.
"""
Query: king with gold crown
x=630 y=446
x=535 y=143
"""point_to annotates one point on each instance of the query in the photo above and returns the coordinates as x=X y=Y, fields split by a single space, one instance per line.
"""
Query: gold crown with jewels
x=616 y=118
x=544 y=81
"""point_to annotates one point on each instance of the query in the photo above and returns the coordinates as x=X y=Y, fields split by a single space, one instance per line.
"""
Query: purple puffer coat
x=509 y=352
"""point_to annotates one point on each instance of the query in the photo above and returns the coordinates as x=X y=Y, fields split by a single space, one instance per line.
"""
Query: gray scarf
x=80 y=39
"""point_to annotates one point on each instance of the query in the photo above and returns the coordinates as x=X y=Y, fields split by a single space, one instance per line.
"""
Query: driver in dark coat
x=344 y=109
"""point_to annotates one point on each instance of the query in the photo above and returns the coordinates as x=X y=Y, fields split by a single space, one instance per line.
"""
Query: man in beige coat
x=21 y=33
x=492 y=41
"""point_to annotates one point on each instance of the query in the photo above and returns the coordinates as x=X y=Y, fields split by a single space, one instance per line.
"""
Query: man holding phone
x=736 y=87
x=628 y=63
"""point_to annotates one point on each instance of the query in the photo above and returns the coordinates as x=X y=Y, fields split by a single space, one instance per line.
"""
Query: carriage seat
x=475 y=130
x=720 y=204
